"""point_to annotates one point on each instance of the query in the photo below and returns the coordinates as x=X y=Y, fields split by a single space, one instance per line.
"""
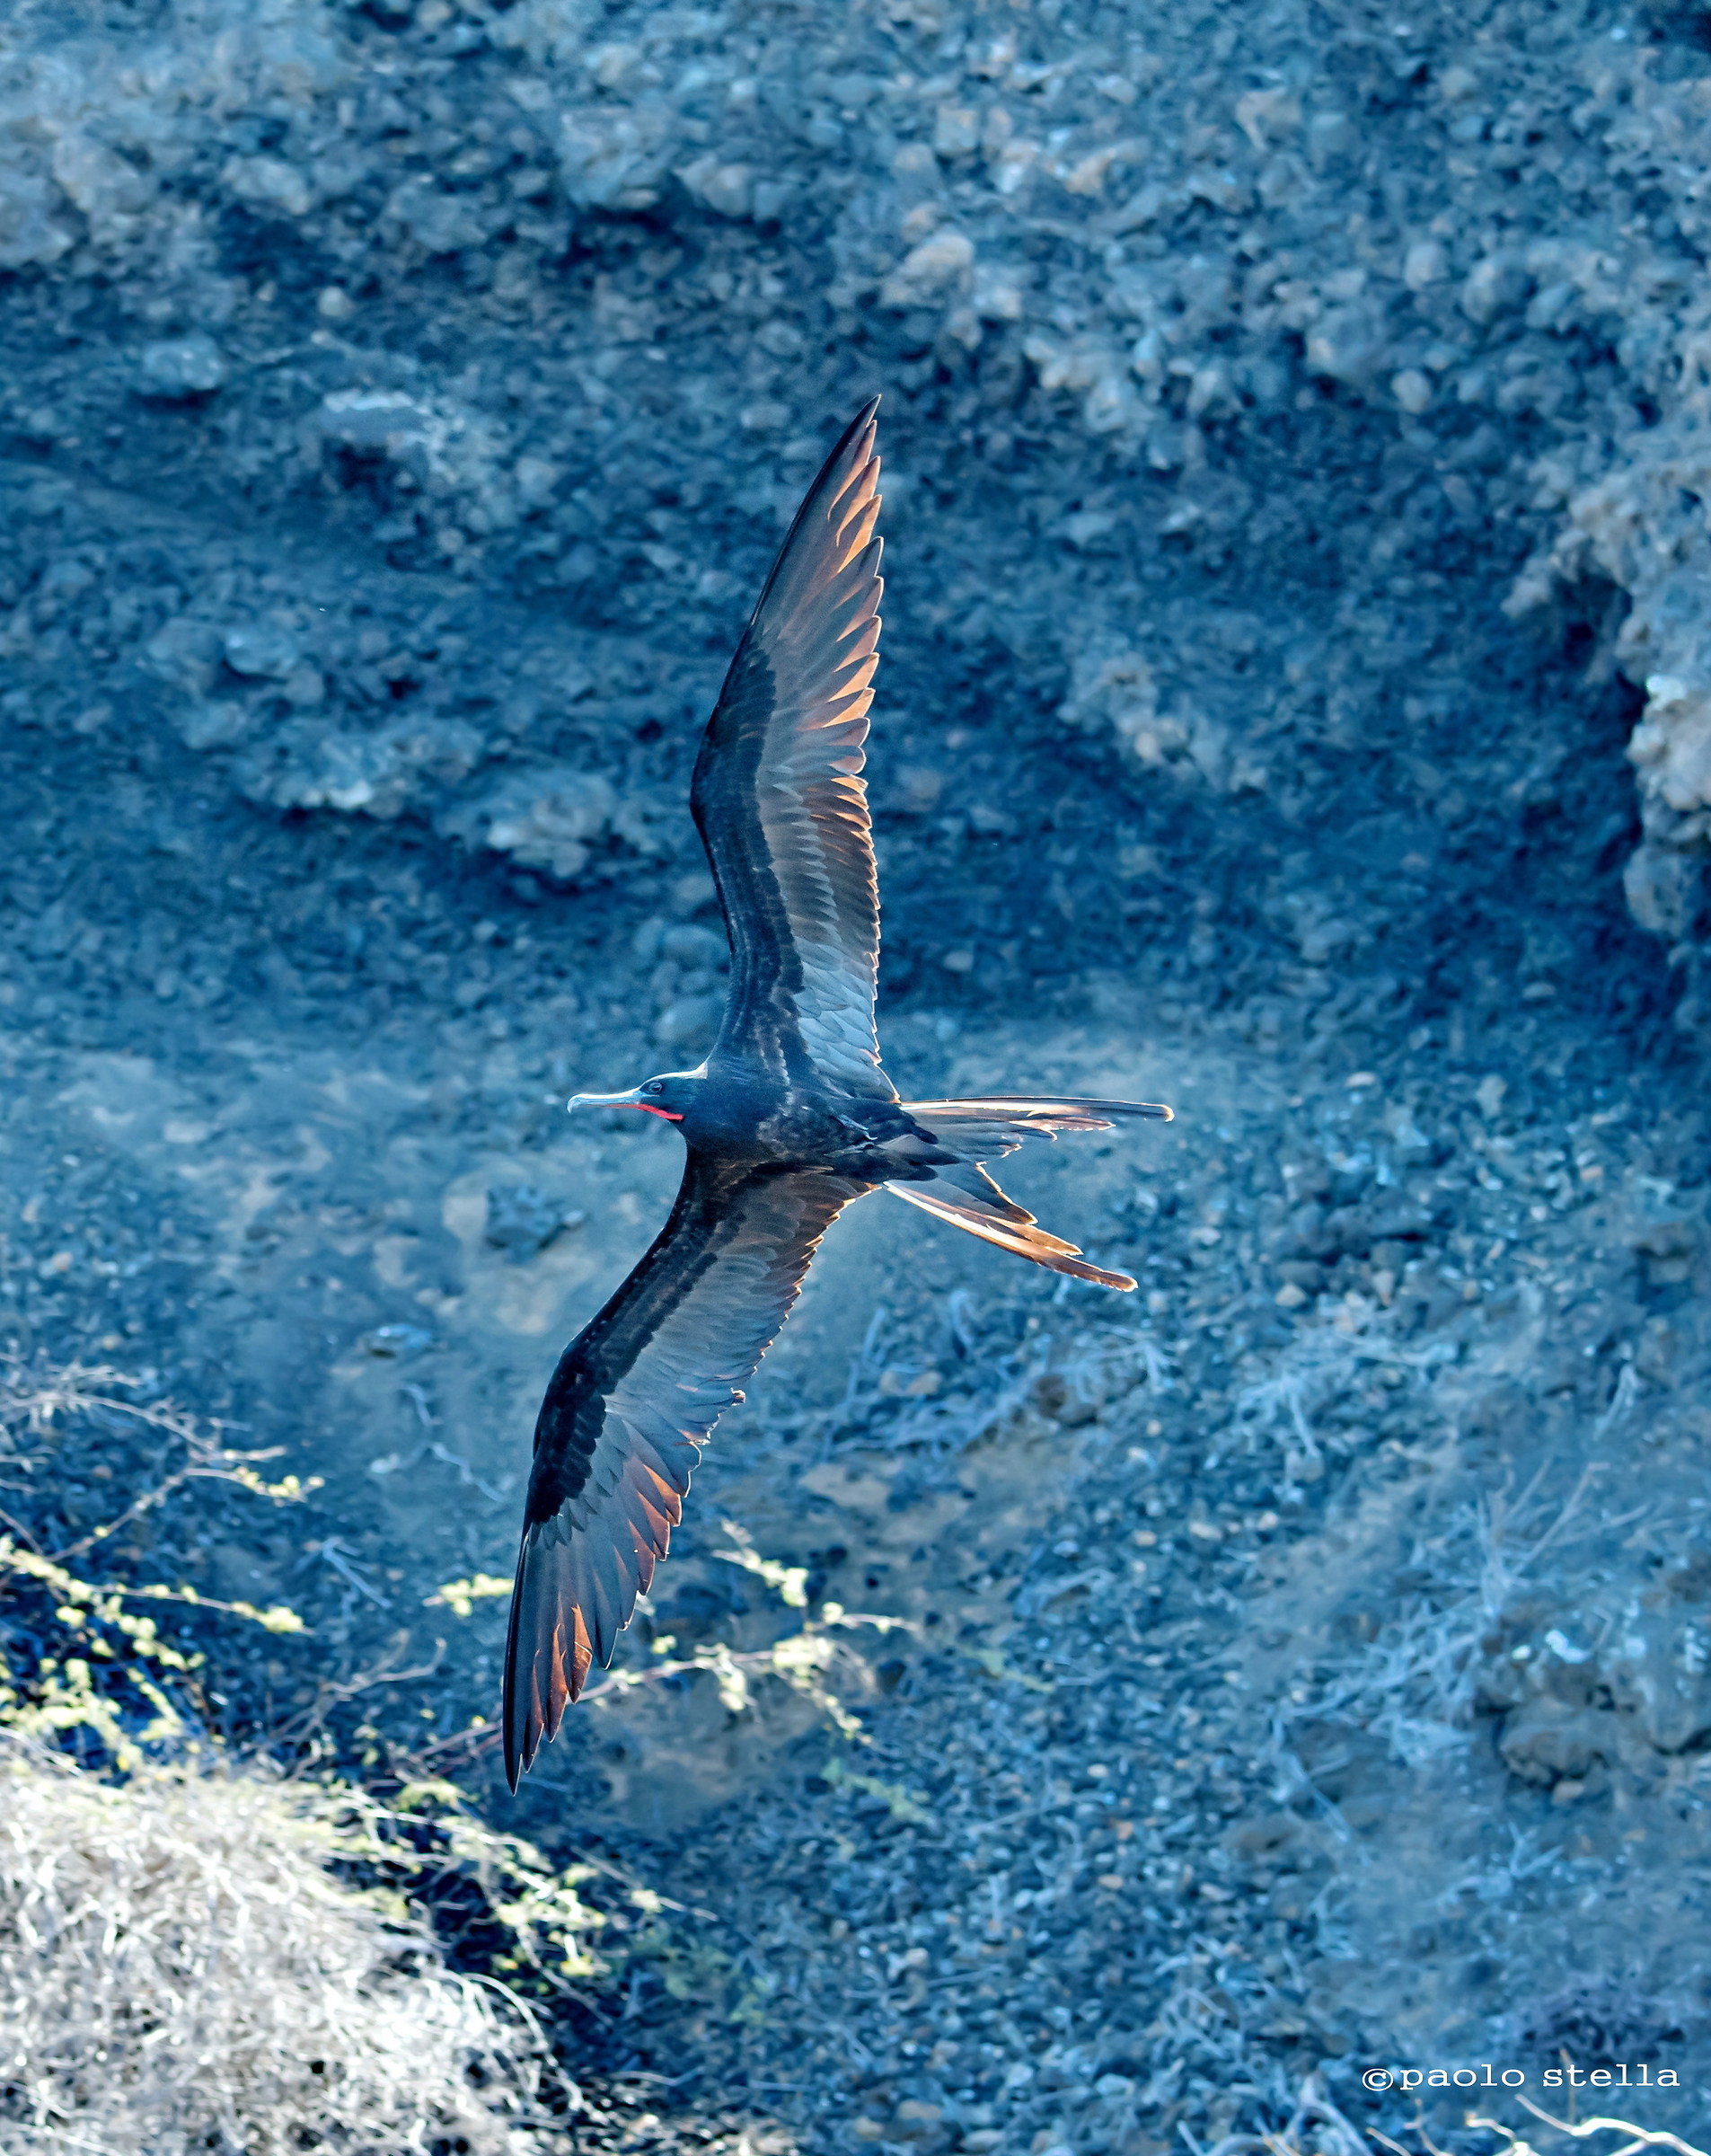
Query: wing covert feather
x=779 y=800
x=628 y=1410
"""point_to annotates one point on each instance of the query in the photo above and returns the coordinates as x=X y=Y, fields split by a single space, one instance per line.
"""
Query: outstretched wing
x=628 y=1410
x=780 y=801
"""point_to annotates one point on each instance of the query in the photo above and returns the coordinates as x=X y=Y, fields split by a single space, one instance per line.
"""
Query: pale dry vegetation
x=197 y=1953
x=1315 y=2124
x=181 y=1968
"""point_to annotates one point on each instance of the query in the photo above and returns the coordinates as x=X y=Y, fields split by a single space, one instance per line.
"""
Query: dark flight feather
x=629 y=1408
x=997 y=1124
x=781 y=804
x=950 y=1196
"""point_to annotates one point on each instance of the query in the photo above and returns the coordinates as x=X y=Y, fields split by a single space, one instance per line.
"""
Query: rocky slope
x=495 y=292
x=1294 y=701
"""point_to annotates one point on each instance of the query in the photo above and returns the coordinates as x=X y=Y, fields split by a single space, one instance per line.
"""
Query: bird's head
x=671 y=1096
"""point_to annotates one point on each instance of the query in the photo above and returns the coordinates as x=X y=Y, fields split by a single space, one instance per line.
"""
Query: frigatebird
x=790 y=1119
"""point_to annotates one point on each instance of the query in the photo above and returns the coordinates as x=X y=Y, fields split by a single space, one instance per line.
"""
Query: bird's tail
x=946 y=1181
x=967 y=1198
x=997 y=1123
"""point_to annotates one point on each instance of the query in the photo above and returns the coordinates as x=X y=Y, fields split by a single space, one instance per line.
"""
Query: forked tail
x=960 y=1191
x=997 y=1123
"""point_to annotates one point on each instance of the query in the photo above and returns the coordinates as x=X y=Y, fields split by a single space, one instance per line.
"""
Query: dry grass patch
x=182 y=1967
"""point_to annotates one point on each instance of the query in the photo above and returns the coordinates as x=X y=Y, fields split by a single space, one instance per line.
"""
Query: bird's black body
x=790 y=1118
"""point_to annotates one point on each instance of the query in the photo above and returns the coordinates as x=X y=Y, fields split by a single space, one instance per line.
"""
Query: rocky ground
x=1291 y=708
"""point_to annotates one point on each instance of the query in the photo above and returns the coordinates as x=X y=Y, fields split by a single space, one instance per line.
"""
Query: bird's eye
x=654 y=1086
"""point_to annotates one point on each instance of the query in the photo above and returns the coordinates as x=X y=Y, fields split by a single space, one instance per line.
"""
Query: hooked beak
x=632 y=1099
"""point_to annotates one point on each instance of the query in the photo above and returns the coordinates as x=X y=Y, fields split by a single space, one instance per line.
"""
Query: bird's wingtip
x=863 y=421
x=517 y=1748
x=521 y=1734
x=524 y=1734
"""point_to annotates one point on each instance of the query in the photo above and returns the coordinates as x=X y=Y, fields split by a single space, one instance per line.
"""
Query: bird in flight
x=790 y=1119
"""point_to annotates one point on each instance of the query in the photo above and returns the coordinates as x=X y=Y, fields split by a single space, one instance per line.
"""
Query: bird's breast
x=746 y=1121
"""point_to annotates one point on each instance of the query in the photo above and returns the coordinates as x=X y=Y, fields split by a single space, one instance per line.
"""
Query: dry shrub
x=1316 y=2127
x=182 y=1967
x=196 y=1956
